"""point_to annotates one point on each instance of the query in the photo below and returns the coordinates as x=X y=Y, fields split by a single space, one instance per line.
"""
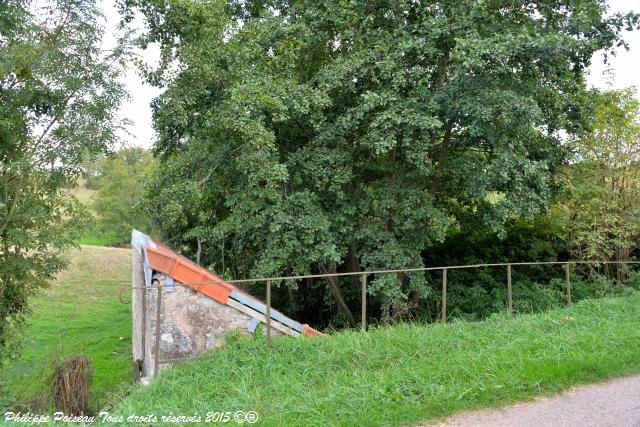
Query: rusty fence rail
x=363 y=285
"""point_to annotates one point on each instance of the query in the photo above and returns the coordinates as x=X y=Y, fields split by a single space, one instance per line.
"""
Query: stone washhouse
x=197 y=308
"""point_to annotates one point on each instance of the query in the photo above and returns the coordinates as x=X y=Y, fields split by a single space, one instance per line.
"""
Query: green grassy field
x=83 y=194
x=93 y=236
x=404 y=374
x=80 y=313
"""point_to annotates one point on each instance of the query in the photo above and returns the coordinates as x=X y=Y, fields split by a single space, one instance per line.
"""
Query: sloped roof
x=162 y=259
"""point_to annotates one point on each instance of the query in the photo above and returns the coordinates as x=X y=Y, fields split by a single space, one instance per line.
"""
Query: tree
x=319 y=137
x=120 y=190
x=602 y=202
x=58 y=95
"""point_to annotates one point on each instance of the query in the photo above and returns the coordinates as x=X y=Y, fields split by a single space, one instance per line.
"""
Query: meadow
x=79 y=313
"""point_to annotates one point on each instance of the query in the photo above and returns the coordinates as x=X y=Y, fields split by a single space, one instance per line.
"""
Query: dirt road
x=615 y=403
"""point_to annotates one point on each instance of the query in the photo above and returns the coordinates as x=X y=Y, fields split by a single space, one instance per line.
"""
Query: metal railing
x=363 y=284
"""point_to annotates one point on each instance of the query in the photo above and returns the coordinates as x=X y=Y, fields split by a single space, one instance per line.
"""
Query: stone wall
x=190 y=324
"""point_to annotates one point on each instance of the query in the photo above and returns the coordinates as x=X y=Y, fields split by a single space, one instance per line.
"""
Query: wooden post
x=363 y=282
x=444 y=295
x=157 y=344
x=269 y=314
x=568 y=274
x=509 y=290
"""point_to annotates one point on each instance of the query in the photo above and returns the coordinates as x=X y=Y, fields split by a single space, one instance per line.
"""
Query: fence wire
x=363 y=294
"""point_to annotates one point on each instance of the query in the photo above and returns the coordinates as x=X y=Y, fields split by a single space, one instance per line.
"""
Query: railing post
x=363 y=282
x=156 y=350
x=269 y=314
x=568 y=276
x=444 y=295
x=509 y=290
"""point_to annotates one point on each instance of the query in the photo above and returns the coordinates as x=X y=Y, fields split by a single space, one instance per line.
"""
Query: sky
x=626 y=64
x=625 y=68
x=137 y=109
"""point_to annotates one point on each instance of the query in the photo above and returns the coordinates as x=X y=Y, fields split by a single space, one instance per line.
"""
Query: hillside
x=84 y=195
x=79 y=313
x=405 y=373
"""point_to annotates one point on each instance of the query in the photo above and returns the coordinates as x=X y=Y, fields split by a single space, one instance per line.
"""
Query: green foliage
x=7 y=401
x=120 y=190
x=531 y=297
x=58 y=93
x=602 y=200
x=477 y=293
x=91 y=172
x=309 y=137
x=405 y=374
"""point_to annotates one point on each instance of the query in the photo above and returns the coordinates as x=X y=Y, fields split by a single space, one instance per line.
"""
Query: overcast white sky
x=137 y=109
x=625 y=66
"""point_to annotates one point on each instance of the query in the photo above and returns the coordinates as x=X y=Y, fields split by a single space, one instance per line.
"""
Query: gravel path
x=615 y=403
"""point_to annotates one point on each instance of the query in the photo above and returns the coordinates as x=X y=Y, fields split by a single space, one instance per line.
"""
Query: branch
x=444 y=148
x=11 y=209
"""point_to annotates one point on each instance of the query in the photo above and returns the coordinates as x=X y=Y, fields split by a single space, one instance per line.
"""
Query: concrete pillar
x=138 y=317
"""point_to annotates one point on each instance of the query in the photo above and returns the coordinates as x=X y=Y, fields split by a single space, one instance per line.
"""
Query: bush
x=633 y=280
x=482 y=296
x=532 y=297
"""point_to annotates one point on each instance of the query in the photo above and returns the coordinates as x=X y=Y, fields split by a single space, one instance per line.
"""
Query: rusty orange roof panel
x=310 y=332
x=162 y=259
x=185 y=271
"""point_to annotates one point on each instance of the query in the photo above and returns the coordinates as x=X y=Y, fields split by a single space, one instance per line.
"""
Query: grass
x=404 y=374
x=80 y=312
x=83 y=194
x=99 y=239
x=93 y=236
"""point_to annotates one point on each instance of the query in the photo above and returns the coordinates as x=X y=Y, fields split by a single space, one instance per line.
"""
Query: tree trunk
x=444 y=148
x=222 y=257
x=353 y=261
x=199 y=251
x=622 y=255
x=412 y=304
x=334 y=288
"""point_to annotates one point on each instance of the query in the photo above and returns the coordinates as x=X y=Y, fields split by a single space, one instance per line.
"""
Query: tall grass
x=405 y=373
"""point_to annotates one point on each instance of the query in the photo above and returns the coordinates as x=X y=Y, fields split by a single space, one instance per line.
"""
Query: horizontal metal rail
x=363 y=282
x=402 y=270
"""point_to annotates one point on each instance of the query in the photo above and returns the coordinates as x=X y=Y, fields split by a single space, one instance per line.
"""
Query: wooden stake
x=363 y=282
x=509 y=290
x=568 y=274
x=269 y=314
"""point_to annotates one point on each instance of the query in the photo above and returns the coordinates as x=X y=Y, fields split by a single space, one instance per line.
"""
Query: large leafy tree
x=58 y=95
x=306 y=136
x=602 y=201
